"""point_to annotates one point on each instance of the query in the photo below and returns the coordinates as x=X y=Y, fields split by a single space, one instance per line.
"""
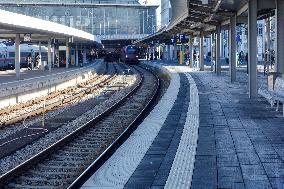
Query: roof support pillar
x=49 y=54
x=17 y=56
x=171 y=52
x=267 y=51
x=53 y=54
x=67 y=53
x=39 y=63
x=84 y=55
x=175 y=51
x=218 y=50
x=77 y=57
x=233 y=49
x=280 y=36
x=212 y=39
x=252 y=48
x=159 y=52
x=201 y=52
x=168 y=52
x=267 y=34
x=182 y=54
x=191 y=51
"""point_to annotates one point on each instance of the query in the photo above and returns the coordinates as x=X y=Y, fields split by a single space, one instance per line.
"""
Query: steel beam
x=252 y=48
x=233 y=49
x=280 y=36
x=49 y=58
x=201 y=50
x=218 y=50
x=17 y=56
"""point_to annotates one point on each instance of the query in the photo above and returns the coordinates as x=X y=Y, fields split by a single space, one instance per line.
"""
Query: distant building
x=166 y=12
x=109 y=19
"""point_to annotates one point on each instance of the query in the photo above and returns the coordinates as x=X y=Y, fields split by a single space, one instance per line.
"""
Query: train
x=7 y=55
x=130 y=54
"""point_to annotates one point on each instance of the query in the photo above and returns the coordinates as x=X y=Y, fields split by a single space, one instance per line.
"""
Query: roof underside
x=40 y=30
x=192 y=17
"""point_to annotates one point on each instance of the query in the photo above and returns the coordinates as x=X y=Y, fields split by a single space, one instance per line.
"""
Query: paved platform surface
x=236 y=143
x=154 y=168
x=10 y=75
x=241 y=140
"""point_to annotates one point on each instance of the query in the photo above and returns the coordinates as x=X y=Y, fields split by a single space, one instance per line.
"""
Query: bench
x=275 y=95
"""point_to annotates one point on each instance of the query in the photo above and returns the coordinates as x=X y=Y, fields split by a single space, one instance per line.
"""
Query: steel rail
x=5 y=178
x=119 y=141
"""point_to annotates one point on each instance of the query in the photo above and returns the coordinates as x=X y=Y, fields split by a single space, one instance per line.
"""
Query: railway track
x=60 y=164
x=19 y=112
x=14 y=139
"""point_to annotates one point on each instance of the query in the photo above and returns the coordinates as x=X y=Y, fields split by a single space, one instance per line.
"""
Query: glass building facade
x=106 y=18
x=165 y=12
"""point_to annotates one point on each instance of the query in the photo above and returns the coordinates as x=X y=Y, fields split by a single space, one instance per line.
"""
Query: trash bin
x=271 y=77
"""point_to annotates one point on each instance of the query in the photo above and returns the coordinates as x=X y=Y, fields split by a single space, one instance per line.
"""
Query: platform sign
x=178 y=39
x=173 y=39
x=182 y=38
x=27 y=37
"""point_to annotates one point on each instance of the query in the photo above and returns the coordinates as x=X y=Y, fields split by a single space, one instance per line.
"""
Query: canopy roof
x=192 y=17
x=40 y=30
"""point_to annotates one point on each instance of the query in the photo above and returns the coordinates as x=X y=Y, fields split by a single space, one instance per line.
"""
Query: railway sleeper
x=58 y=157
x=50 y=177
x=39 y=183
x=73 y=154
x=90 y=140
x=63 y=166
x=12 y=185
x=47 y=170
x=83 y=145
x=59 y=163
x=78 y=150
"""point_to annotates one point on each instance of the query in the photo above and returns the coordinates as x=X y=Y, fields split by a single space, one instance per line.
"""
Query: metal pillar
x=53 y=54
x=169 y=52
x=267 y=32
x=212 y=54
x=252 y=47
x=201 y=50
x=67 y=53
x=175 y=51
x=39 y=63
x=159 y=52
x=182 y=54
x=280 y=36
x=84 y=55
x=17 y=56
x=218 y=49
x=56 y=51
x=191 y=51
x=77 y=57
x=233 y=49
x=49 y=54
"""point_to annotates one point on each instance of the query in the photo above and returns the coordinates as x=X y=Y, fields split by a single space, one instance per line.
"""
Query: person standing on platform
x=29 y=61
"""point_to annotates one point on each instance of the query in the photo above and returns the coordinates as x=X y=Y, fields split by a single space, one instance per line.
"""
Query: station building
x=107 y=19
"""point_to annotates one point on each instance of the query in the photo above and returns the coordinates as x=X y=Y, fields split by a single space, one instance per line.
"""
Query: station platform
x=36 y=83
x=9 y=76
x=204 y=133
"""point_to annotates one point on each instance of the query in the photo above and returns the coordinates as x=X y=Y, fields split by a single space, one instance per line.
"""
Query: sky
x=158 y=11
